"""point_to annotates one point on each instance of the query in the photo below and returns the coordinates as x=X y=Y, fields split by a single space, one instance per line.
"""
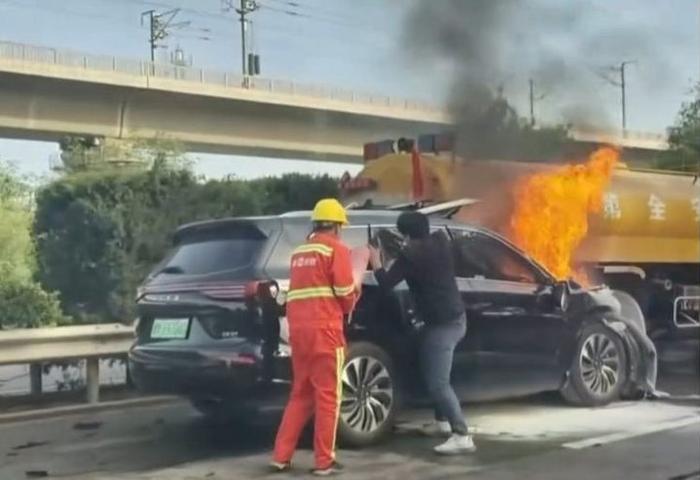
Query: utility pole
x=245 y=8
x=622 y=83
x=152 y=35
x=534 y=98
x=532 y=103
x=624 y=98
x=159 y=27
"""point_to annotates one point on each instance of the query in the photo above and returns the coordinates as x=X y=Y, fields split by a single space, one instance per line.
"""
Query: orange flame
x=550 y=215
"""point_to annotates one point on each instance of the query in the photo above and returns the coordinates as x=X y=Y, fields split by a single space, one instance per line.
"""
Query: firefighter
x=321 y=292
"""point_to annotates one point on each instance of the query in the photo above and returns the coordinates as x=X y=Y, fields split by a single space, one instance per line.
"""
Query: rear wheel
x=370 y=400
x=599 y=368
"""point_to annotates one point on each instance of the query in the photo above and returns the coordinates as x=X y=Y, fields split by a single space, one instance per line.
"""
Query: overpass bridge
x=46 y=93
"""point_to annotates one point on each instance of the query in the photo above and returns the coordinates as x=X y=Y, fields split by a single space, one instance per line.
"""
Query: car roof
x=354 y=217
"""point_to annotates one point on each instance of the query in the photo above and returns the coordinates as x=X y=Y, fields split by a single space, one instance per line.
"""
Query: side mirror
x=560 y=294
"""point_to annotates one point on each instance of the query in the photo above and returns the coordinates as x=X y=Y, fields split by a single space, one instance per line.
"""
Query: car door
x=514 y=326
x=410 y=330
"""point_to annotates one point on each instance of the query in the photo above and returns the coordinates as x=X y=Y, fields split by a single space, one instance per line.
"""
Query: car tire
x=599 y=368
x=370 y=395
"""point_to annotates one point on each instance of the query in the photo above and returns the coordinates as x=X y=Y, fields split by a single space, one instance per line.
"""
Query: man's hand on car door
x=375 y=258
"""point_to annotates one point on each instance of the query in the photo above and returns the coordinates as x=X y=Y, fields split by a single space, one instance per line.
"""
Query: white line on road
x=636 y=432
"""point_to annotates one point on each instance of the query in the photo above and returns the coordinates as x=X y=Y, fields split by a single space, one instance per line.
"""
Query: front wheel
x=370 y=398
x=599 y=368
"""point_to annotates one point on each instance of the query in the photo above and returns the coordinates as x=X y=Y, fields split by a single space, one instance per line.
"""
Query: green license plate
x=170 y=328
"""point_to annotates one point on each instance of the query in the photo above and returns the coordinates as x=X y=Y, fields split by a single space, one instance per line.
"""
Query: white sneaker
x=436 y=429
x=456 y=445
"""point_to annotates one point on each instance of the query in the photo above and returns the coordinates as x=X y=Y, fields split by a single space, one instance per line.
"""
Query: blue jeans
x=436 y=353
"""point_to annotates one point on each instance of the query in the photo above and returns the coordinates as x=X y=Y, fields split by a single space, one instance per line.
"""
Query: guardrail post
x=35 y=379
x=93 y=380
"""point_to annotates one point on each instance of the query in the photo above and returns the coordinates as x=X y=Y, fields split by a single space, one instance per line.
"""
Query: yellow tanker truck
x=645 y=240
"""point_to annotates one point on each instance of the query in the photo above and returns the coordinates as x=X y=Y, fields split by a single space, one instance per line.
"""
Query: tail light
x=262 y=289
x=224 y=292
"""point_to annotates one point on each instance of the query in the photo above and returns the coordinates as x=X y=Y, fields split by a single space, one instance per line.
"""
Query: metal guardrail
x=138 y=68
x=41 y=345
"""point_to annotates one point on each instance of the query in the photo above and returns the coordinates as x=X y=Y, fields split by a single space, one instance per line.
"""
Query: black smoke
x=494 y=46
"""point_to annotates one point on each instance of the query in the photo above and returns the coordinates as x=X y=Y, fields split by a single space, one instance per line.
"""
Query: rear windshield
x=210 y=251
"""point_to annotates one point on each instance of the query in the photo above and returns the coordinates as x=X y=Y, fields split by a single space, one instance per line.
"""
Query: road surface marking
x=637 y=432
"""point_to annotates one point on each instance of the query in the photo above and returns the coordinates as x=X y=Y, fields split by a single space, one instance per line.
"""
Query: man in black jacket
x=426 y=264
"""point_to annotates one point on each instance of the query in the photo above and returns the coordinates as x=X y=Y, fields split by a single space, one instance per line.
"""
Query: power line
x=311 y=10
x=296 y=13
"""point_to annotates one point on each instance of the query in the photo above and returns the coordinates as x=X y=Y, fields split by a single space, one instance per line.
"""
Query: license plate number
x=170 y=328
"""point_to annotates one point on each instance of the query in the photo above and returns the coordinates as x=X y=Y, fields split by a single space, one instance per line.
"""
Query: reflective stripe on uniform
x=343 y=291
x=319 y=248
x=311 y=292
x=340 y=366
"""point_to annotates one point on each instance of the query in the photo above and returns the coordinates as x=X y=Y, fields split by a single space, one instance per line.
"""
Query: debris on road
x=87 y=425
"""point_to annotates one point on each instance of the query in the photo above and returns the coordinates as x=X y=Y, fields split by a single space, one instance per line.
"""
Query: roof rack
x=427 y=207
x=370 y=205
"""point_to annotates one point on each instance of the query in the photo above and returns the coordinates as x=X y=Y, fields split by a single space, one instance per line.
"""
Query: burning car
x=211 y=327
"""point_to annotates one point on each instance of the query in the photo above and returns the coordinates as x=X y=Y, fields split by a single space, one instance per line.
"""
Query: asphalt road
x=537 y=437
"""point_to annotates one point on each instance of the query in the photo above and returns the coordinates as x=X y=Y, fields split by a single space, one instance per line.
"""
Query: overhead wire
x=207 y=33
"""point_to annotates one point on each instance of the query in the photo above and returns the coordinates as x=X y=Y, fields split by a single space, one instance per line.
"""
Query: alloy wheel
x=368 y=394
x=599 y=364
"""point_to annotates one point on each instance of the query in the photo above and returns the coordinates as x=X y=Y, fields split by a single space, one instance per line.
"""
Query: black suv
x=211 y=325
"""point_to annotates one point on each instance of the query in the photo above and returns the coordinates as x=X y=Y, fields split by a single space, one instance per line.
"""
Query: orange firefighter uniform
x=321 y=292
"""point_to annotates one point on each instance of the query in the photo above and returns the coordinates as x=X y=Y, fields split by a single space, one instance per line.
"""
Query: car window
x=390 y=242
x=213 y=250
x=355 y=236
x=480 y=256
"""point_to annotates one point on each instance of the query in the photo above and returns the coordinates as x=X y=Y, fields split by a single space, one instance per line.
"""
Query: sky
x=362 y=45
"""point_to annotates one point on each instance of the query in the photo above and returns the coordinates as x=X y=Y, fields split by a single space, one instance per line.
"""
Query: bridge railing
x=107 y=63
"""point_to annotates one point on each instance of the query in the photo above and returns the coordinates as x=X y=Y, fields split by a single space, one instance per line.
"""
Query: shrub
x=26 y=305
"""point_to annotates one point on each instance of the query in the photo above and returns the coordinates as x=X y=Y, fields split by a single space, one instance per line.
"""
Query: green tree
x=684 y=138
x=493 y=129
x=23 y=303
x=100 y=232
x=16 y=245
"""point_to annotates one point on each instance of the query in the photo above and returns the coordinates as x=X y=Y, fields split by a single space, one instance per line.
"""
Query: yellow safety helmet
x=329 y=210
